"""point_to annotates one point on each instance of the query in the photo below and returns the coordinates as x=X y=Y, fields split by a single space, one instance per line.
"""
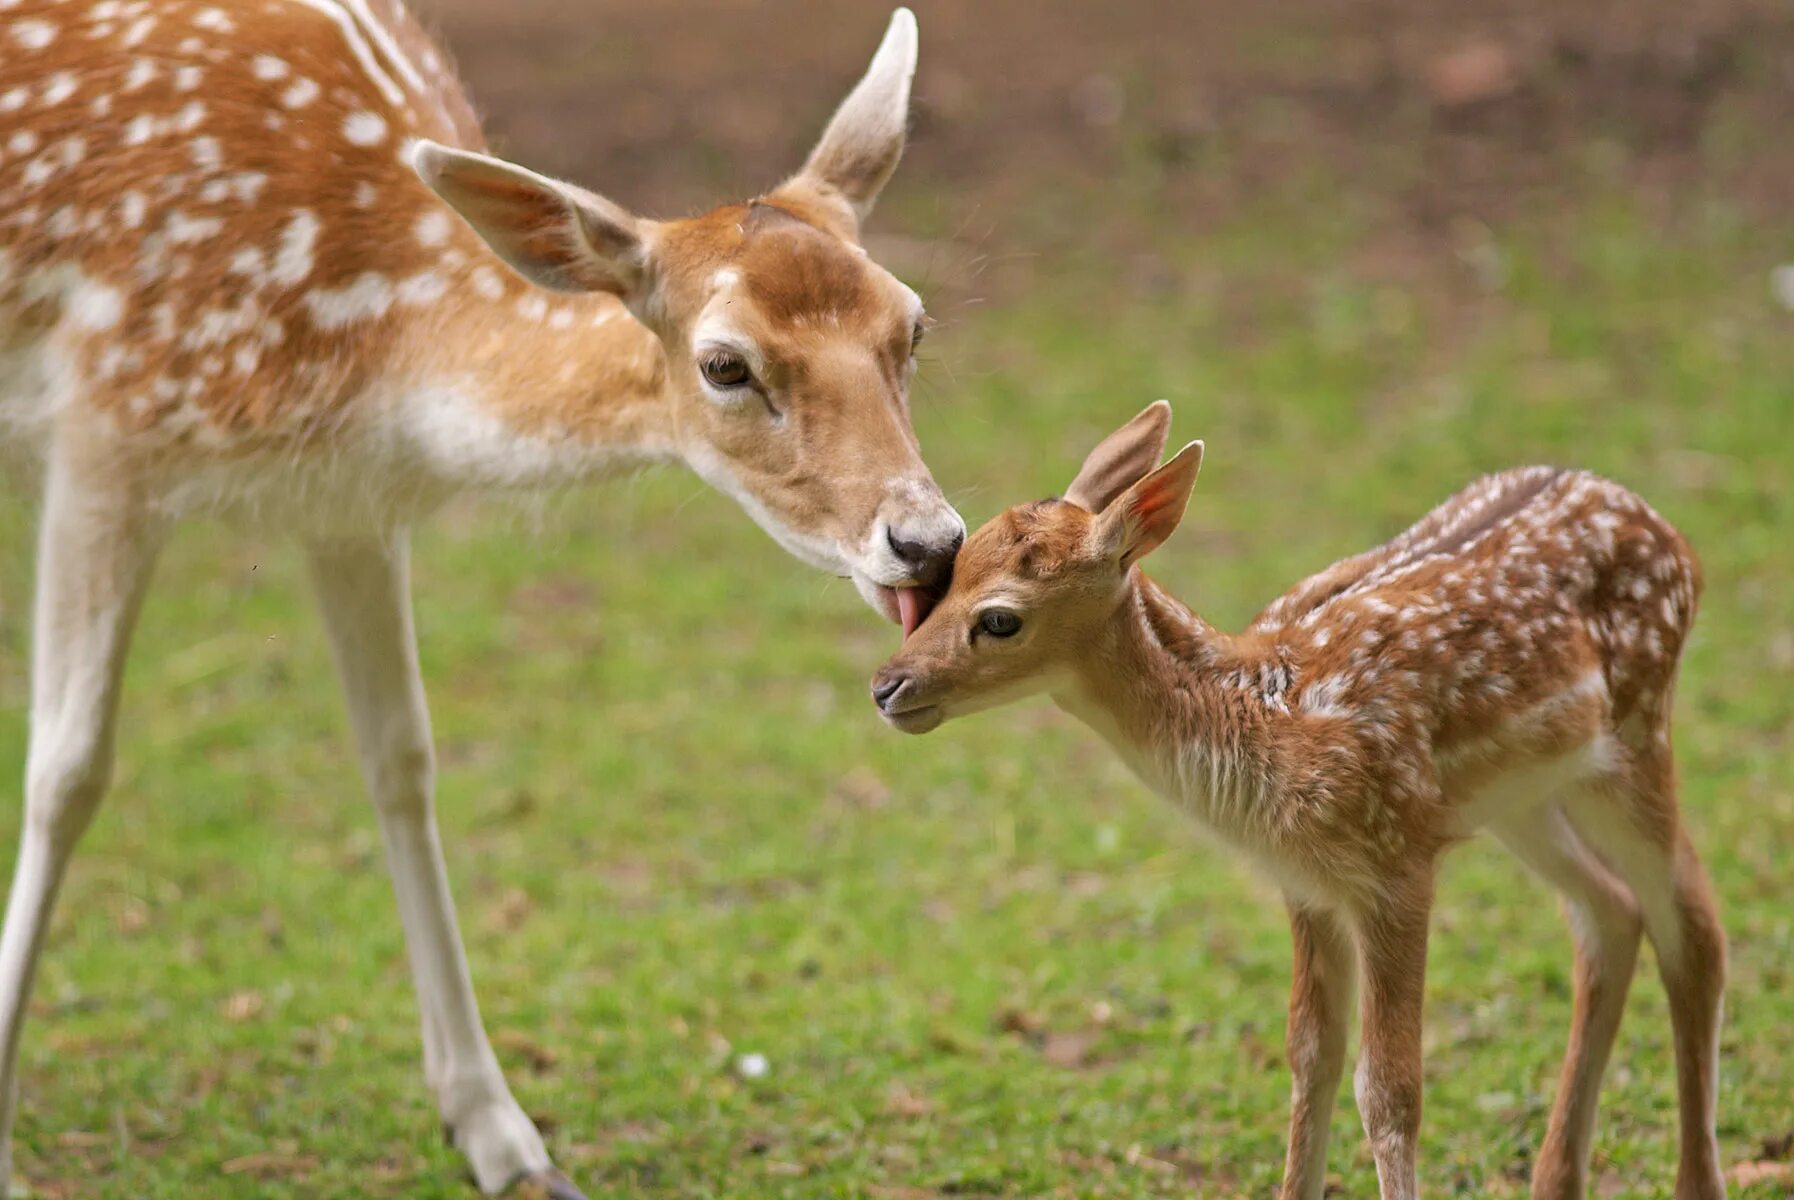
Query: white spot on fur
x=268 y=68
x=137 y=31
x=426 y=287
x=182 y=229
x=214 y=19
x=365 y=128
x=33 y=35
x=96 y=306
x=432 y=229
x=368 y=296
x=302 y=93
x=486 y=283
x=293 y=260
x=142 y=72
x=59 y=87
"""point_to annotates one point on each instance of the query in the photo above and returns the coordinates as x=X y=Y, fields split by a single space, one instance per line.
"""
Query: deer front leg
x=363 y=587
x=96 y=552
x=1320 y=1005
x=1392 y=956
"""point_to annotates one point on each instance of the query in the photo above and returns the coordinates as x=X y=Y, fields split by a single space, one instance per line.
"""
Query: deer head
x=789 y=353
x=1033 y=589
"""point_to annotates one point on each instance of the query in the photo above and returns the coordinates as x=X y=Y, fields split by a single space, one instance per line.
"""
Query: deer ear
x=1142 y=517
x=860 y=148
x=554 y=234
x=1121 y=459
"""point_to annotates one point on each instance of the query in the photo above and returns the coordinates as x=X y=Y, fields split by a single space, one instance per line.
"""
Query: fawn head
x=789 y=352
x=1033 y=589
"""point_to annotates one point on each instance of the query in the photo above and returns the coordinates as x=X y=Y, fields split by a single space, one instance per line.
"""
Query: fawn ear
x=1121 y=459
x=1142 y=517
x=859 y=150
x=554 y=234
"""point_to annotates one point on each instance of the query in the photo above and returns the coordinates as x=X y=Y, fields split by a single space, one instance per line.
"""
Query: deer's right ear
x=1141 y=518
x=1122 y=459
x=554 y=234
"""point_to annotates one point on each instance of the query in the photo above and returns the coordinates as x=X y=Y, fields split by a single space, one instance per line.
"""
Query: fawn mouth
x=916 y=720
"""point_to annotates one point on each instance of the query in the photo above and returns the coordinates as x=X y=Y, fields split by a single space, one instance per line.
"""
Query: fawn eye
x=726 y=371
x=999 y=623
x=915 y=335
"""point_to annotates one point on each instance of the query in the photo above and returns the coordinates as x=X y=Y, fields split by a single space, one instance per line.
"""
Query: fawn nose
x=929 y=559
x=886 y=686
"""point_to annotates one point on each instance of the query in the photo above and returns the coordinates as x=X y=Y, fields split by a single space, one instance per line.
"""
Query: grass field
x=982 y=963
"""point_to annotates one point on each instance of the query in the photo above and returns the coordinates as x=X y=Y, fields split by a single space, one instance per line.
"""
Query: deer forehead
x=765 y=273
x=1031 y=544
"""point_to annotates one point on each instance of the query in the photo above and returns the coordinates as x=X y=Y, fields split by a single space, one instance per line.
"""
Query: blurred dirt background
x=1443 y=113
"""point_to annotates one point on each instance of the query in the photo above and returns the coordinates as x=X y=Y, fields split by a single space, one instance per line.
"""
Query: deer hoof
x=543 y=1185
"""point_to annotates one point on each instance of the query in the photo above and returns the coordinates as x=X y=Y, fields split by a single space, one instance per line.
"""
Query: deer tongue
x=913 y=605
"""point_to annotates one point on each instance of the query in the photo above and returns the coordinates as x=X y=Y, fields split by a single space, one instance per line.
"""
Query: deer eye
x=915 y=335
x=726 y=371
x=999 y=623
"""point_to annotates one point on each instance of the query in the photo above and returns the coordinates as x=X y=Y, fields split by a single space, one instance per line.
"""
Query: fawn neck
x=1196 y=712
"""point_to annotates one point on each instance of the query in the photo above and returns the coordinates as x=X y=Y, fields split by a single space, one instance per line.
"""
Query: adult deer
x=224 y=288
x=1507 y=665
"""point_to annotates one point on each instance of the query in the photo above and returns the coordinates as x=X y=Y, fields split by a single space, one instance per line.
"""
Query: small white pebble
x=751 y=1066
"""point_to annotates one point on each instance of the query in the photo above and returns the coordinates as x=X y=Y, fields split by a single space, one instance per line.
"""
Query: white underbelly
x=1532 y=784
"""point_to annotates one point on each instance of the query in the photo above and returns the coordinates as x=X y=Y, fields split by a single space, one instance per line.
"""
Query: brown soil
x=663 y=103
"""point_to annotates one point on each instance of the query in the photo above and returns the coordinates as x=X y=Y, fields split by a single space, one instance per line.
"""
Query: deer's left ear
x=554 y=234
x=860 y=148
x=1141 y=518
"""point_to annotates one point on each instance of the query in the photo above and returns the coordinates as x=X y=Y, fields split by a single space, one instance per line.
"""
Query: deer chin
x=916 y=720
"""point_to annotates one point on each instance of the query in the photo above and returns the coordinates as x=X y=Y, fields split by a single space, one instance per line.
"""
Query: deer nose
x=928 y=558
x=886 y=686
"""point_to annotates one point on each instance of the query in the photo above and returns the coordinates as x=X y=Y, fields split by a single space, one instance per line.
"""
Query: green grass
x=982 y=963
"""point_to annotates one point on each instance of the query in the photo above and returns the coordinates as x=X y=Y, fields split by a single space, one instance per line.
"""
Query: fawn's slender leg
x=1320 y=1009
x=1392 y=944
x=364 y=589
x=97 y=547
x=1636 y=830
x=1605 y=923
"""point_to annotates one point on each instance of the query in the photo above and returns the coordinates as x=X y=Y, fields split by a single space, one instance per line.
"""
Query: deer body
x=1506 y=665
x=254 y=263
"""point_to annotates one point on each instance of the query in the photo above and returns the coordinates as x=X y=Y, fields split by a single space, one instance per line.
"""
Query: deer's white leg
x=1605 y=922
x=364 y=589
x=96 y=550
x=1320 y=1008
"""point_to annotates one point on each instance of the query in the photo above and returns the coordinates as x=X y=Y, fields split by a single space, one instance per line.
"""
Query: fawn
x=1506 y=664
x=233 y=281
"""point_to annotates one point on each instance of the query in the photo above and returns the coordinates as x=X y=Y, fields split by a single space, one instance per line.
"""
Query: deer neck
x=1199 y=714
x=509 y=386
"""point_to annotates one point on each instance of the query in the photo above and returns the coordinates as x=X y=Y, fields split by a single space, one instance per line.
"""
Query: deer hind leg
x=1320 y=1009
x=363 y=587
x=96 y=551
x=1392 y=946
x=1636 y=830
x=1605 y=923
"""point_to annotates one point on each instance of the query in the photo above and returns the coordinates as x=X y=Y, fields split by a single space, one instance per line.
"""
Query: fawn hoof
x=543 y=1185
